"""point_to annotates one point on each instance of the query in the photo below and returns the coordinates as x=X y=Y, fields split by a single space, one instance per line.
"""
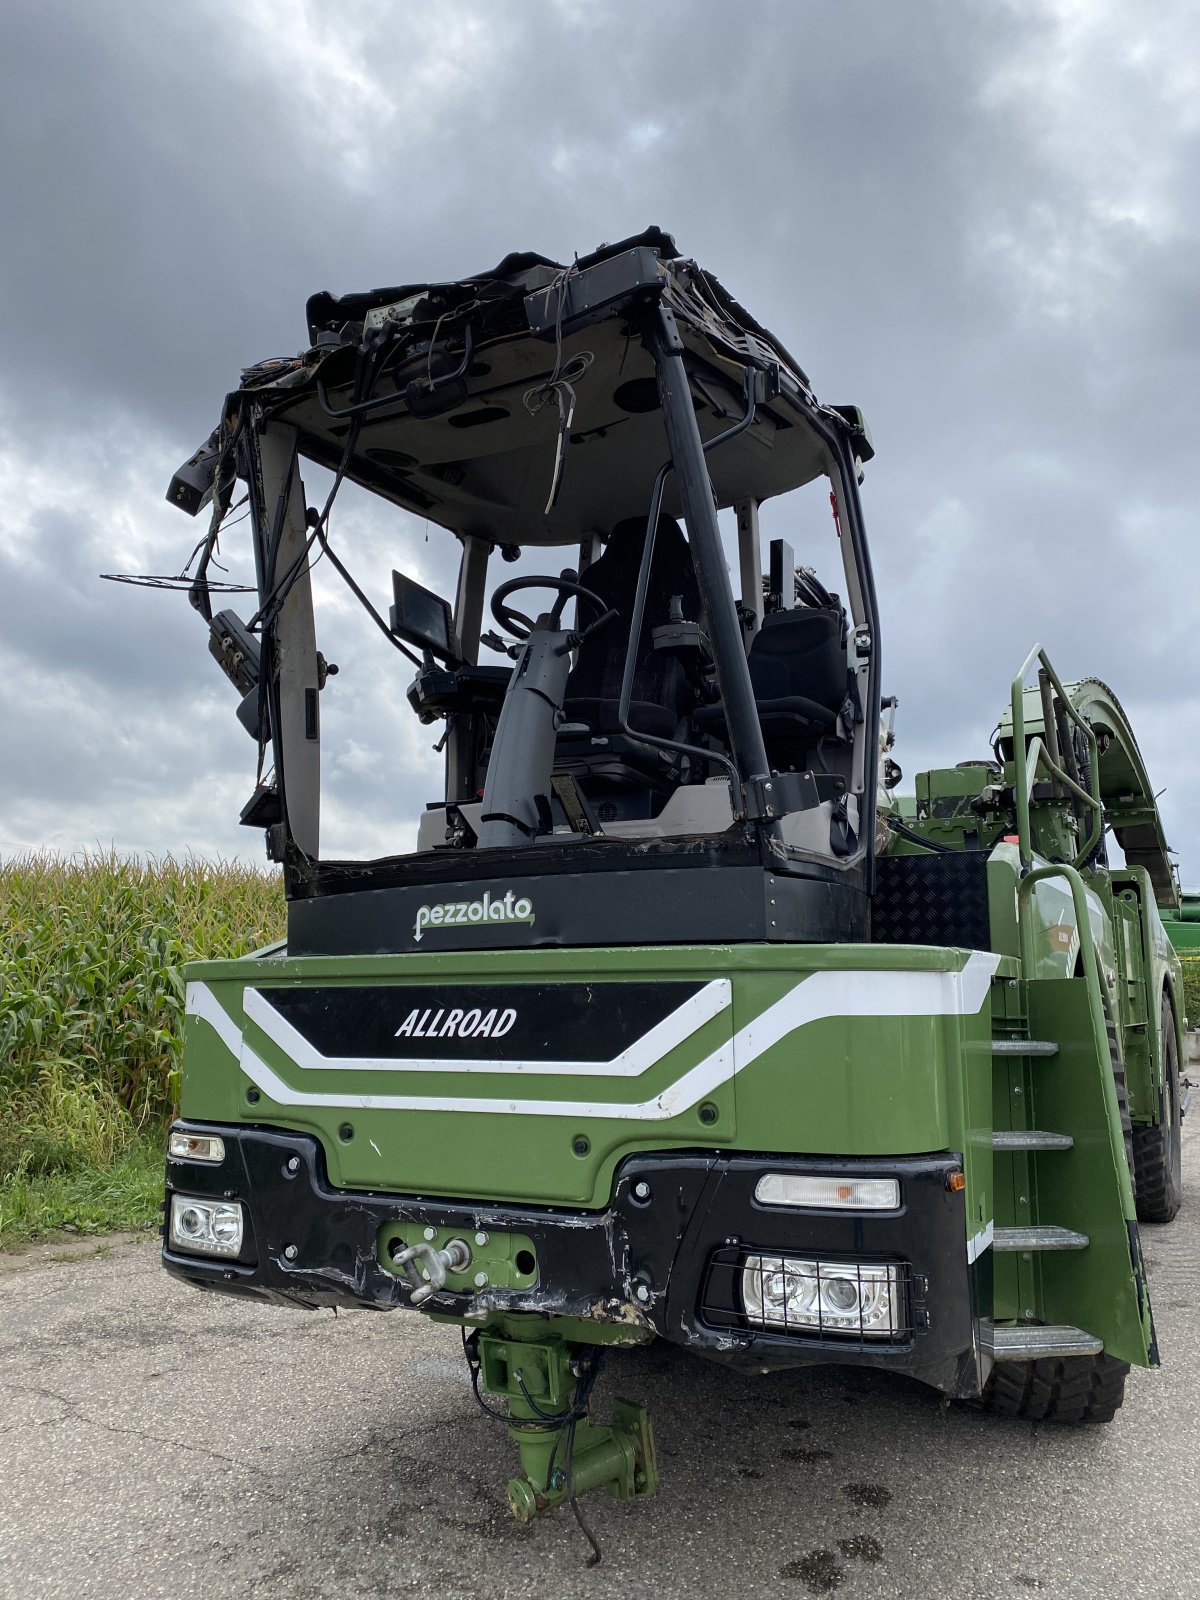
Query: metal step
x=1036 y=1343
x=1038 y=1238
x=1031 y=1139
x=1024 y=1047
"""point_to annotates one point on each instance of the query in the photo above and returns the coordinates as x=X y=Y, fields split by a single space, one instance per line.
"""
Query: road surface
x=156 y=1442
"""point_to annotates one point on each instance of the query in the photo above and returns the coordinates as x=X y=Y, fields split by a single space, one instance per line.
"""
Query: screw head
x=641 y=1190
x=642 y=1292
x=481 y=1279
x=431 y=1233
x=481 y=1238
x=290 y=1252
x=293 y=1164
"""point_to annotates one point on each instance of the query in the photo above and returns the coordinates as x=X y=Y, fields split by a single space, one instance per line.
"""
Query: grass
x=123 y=1196
x=91 y=1025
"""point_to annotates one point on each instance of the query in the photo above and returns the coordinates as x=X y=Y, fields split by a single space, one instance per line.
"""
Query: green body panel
x=843 y=1084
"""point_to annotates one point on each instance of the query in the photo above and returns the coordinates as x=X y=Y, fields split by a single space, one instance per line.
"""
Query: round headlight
x=226 y=1226
x=191 y=1222
x=841 y=1293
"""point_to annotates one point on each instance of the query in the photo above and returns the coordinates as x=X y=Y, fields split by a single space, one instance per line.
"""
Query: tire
x=1071 y=1389
x=1158 y=1151
x=1119 y=1078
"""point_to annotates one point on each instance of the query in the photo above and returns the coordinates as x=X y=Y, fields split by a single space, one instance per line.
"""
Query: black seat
x=661 y=694
x=799 y=675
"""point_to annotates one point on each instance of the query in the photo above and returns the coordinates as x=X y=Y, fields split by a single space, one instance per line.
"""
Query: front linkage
x=547 y=1383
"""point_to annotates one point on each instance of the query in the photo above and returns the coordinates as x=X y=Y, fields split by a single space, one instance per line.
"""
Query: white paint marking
x=980 y=1242
x=821 y=995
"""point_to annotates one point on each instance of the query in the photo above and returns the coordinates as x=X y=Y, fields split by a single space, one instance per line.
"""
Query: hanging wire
x=559 y=386
x=591 y=1363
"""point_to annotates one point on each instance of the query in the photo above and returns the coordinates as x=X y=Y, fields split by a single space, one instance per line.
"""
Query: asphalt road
x=157 y=1442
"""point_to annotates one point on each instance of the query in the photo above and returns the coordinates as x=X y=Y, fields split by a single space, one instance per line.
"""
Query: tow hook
x=455 y=1256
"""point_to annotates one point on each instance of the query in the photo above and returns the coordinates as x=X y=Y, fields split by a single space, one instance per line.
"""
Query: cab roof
x=520 y=405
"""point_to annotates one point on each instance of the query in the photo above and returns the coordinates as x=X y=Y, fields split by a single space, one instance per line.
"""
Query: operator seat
x=800 y=677
x=661 y=695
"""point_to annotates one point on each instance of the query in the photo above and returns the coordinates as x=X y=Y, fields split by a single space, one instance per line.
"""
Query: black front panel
x=657 y=1256
x=537 y=1021
x=933 y=899
x=607 y=908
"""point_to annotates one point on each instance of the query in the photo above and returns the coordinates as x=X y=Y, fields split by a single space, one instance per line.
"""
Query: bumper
x=668 y=1262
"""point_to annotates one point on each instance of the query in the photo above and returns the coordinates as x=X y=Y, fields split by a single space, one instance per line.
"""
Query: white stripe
x=201 y=1002
x=980 y=1242
x=823 y=994
x=665 y=1036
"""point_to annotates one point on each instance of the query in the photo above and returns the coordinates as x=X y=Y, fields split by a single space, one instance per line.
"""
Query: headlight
x=207 y=1227
x=827 y=1297
x=196 y=1147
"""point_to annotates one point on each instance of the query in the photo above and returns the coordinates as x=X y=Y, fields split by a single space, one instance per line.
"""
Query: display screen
x=423 y=618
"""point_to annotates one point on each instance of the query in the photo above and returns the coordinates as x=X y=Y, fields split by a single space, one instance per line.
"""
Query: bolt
x=481 y=1238
x=290 y=1252
x=1017 y=1090
x=431 y=1233
x=481 y=1279
x=1026 y=1256
x=642 y=1292
x=641 y=1190
x=1029 y=1311
x=293 y=1164
x=1023 y=1200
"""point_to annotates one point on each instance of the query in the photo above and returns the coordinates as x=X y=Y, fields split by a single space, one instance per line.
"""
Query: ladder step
x=1038 y=1238
x=1036 y=1343
x=1024 y=1047
x=1031 y=1139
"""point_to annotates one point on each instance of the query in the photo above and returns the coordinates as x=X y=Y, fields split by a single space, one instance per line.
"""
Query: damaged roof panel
x=521 y=405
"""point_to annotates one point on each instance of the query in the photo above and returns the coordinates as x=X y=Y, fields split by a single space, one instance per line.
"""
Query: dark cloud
x=977 y=222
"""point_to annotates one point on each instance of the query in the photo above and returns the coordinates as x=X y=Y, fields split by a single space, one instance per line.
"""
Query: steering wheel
x=521 y=626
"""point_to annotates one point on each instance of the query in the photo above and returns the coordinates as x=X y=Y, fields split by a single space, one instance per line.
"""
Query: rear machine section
x=675 y=1023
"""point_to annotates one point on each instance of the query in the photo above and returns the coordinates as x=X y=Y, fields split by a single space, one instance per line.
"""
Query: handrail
x=1093 y=975
x=1028 y=761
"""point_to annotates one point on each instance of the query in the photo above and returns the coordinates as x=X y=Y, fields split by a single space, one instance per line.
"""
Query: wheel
x=1122 y=1083
x=1157 y=1150
x=1069 y=1389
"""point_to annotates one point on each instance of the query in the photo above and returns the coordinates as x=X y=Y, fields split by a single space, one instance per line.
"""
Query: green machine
x=673 y=1023
x=1183 y=923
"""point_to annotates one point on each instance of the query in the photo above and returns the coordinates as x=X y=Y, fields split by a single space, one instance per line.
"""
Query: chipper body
x=674 y=1022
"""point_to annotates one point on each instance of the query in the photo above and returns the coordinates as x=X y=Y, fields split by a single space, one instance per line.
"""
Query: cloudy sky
x=978 y=222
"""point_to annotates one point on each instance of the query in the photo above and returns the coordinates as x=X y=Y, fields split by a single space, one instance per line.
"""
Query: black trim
x=461 y=1021
x=656 y=902
x=640 y=1260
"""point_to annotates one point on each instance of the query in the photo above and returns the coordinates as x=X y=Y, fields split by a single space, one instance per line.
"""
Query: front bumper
x=667 y=1264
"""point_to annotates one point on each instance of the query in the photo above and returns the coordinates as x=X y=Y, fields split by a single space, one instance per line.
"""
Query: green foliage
x=1191 y=987
x=126 y=1194
x=91 y=1000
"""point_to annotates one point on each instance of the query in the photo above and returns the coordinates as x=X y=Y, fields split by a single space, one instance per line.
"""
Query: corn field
x=1191 y=988
x=91 y=995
